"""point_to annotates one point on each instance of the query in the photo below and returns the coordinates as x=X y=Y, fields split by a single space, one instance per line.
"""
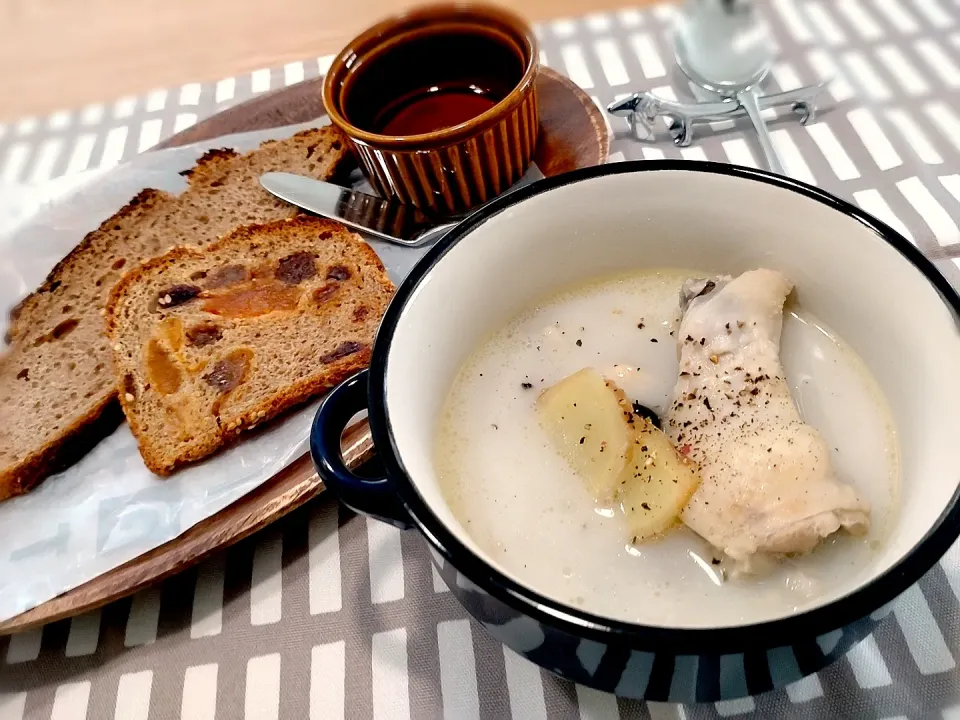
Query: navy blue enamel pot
x=866 y=281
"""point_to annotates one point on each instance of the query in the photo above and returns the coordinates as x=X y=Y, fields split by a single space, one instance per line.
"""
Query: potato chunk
x=583 y=416
x=657 y=483
x=624 y=459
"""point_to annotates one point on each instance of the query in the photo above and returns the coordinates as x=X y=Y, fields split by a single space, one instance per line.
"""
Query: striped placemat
x=329 y=615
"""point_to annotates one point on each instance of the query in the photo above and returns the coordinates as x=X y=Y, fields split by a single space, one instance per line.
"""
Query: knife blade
x=388 y=220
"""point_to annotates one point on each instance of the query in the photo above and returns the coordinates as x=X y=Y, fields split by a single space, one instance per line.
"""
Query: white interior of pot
x=847 y=276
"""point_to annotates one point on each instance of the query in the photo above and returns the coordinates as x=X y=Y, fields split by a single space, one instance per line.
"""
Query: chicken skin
x=768 y=487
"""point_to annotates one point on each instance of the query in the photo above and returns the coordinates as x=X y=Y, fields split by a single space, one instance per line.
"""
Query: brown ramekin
x=456 y=168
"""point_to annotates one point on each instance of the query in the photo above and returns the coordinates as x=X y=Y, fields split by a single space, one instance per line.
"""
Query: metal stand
x=643 y=109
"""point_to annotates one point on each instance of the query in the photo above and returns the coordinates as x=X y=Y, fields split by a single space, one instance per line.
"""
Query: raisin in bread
x=57 y=386
x=209 y=343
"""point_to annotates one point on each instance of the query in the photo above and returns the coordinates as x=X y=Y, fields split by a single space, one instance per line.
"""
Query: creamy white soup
x=526 y=508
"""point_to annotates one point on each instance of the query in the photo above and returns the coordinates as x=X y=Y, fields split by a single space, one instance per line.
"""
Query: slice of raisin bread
x=209 y=343
x=56 y=378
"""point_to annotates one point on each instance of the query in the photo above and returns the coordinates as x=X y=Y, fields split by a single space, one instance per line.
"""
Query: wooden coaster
x=573 y=134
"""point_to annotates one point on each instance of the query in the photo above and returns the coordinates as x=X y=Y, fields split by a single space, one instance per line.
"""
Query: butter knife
x=384 y=219
x=387 y=220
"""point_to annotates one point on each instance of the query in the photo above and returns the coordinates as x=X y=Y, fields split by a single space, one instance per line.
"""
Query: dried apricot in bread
x=57 y=384
x=212 y=342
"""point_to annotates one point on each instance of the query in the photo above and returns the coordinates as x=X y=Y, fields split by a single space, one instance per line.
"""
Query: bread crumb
x=118 y=347
x=129 y=397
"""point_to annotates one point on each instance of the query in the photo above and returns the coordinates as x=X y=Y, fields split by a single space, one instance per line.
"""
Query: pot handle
x=369 y=496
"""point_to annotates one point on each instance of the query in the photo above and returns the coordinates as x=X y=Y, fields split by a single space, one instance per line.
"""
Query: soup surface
x=527 y=510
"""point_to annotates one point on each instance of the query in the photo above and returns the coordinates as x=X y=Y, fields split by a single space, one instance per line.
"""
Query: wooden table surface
x=61 y=54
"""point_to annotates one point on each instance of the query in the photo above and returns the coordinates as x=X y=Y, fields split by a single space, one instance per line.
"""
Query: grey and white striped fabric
x=328 y=615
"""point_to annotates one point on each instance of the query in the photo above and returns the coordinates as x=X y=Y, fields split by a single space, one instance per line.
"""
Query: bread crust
x=211 y=162
x=74 y=442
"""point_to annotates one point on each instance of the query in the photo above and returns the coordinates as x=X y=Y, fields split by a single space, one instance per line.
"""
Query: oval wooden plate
x=573 y=134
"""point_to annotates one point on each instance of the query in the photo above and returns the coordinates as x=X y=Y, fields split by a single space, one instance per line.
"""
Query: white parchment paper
x=109 y=508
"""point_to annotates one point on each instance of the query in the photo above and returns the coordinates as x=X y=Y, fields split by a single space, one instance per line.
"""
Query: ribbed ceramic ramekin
x=456 y=168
